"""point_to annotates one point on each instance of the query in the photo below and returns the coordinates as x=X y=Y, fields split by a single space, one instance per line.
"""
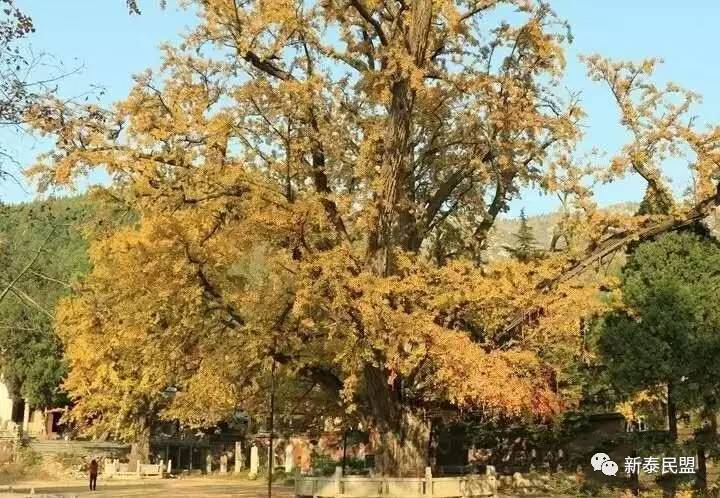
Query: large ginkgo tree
x=312 y=186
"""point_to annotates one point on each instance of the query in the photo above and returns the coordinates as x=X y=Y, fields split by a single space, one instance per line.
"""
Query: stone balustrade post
x=26 y=418
x=289 y=460
x=254 y=461
x=428 y=482
x=338 y=481
x=238 y=457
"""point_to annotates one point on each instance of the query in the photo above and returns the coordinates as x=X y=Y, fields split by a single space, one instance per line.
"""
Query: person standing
x=93 y=474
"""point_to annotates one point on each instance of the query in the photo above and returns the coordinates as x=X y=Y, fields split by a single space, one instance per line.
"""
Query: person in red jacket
x=93 y=474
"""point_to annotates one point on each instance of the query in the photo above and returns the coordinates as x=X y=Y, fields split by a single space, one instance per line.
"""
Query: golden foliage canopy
x=315 y=183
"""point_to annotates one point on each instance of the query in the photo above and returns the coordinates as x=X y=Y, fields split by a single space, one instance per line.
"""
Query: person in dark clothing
x=93 y=475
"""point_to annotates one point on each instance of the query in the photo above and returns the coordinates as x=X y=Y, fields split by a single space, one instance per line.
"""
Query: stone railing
x=151 y=469
x=338 y=486
x=17 y=492
x=115 y=469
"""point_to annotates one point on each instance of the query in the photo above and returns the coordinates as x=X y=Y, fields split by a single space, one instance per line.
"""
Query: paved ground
x=176 y=488
x=180 y=488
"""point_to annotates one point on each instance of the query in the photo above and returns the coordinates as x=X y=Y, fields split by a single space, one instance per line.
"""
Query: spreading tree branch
x=606 y=247
x=360 y=8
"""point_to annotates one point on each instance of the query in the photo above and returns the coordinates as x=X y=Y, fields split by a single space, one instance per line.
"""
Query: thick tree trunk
x=398 y=151
x=403 y=452
x=140 y=449
x=401 y=436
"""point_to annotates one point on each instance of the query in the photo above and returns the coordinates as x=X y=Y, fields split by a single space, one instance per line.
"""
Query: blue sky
x=111 y=46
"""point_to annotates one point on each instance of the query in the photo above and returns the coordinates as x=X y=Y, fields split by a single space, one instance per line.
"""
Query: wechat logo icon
x=602 y=462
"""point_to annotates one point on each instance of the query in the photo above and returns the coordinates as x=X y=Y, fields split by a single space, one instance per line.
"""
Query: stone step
x=77 y=447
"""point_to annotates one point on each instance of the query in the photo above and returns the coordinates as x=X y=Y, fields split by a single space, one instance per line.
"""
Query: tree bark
x=669 y=489
x=671 y=413
x=403 y=452
x=396 y=158
x=701 y=475
x=401 y=436
x=705 y=438
x=140 y=449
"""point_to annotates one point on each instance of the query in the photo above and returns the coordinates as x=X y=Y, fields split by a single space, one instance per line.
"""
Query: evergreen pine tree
x=525 y=248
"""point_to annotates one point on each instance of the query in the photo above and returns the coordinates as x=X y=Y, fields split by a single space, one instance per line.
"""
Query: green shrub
x=325 y=465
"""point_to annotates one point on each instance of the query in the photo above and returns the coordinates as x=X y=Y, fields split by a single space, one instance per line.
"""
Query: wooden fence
x=338 y=486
